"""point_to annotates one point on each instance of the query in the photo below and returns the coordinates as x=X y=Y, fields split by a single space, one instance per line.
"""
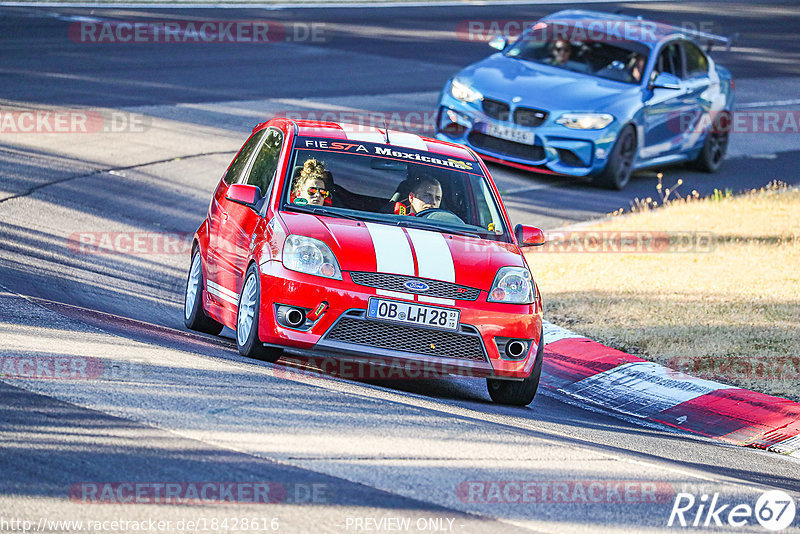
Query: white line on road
x=310 y=5
x=769 y=103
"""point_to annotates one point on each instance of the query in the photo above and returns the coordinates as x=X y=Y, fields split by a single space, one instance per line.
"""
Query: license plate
x=409 y=313
x=510 y=134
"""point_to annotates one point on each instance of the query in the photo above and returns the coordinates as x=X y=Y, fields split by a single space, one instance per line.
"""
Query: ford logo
x=416 y=285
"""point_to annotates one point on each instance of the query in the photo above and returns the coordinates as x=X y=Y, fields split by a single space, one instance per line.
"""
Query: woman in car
x=314 y=184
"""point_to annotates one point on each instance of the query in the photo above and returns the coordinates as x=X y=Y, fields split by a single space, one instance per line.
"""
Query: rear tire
x=518 y=393
x=715 y=145
x=619 y=166
x=247 y=320
x=194 y=316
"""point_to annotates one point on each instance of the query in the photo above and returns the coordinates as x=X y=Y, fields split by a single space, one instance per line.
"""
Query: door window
x=696 y=61
x=670 y=60
x=240 y=161
x=266 y=163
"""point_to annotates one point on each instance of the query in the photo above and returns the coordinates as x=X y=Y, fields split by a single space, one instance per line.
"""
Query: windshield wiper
x=419 y=225
x=321 y=210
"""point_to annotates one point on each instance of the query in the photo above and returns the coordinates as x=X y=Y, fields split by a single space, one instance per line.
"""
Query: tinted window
x=670 y=60
x=609 y=56
x=266 y=162
x=696 y=62
x=240 y=161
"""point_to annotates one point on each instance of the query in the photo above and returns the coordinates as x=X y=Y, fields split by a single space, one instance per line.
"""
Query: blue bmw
x=585 y=93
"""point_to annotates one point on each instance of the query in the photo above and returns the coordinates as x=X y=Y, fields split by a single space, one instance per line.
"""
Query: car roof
x=636 y=29
x=371 y=134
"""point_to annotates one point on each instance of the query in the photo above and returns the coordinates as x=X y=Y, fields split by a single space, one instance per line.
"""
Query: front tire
x=715 y=145
x=619 y=166
x=194 y=316
x=518 y=393
x=247 y=320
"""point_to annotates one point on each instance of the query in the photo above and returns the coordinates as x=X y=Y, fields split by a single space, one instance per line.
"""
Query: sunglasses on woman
x=314 y=190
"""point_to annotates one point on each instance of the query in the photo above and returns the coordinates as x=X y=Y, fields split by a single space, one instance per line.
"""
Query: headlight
x=464 y=92
x=585 y=121
x=310 y=256
x=512 y=285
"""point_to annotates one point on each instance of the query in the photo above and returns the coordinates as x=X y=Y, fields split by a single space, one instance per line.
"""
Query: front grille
x=529 y=117
x=394 y=282
x=465 y=345
x=495 y=109
x=509 y=148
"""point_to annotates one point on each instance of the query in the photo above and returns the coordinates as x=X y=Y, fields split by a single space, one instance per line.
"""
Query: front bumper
x=556 y=149
x=343 y=328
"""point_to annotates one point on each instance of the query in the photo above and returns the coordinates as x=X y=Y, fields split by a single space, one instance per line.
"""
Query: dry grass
x=731 y=313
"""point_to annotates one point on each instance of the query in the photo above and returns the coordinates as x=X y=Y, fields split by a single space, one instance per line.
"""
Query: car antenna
x=386 y=132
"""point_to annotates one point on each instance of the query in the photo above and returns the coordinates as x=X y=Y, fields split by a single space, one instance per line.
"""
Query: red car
x=368 y=245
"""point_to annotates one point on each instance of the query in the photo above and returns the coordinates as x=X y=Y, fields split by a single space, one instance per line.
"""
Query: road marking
x=769 y=103
x=310 y=5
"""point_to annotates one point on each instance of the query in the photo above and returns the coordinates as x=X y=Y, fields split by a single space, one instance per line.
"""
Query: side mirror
x=499 y=42
x=529 y=236
x=665 y=80
x=244 y=194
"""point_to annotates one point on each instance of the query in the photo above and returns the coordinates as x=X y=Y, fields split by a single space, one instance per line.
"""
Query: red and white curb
x=593 y=374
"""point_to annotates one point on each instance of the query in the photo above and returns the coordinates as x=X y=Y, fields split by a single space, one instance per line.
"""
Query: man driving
x=424 y=195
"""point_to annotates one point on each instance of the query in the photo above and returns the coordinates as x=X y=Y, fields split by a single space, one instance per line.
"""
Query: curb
x=592 y=373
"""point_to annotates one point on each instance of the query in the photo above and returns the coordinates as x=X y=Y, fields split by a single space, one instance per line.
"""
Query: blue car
x=599 y=95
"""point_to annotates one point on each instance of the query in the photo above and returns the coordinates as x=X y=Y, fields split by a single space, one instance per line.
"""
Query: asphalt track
x=172 y=406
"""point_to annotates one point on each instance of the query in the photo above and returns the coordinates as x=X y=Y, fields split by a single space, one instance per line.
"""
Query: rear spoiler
x=710 y=38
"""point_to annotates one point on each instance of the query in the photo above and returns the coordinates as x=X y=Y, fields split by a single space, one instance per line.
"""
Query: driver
x=426 y=194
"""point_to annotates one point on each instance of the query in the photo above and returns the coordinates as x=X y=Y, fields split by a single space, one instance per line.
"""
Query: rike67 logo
x=774 y=510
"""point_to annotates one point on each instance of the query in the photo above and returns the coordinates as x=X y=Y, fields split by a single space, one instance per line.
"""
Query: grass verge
x=707 y=286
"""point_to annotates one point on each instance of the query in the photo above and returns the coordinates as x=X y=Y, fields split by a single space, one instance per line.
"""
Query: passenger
x=636 y=68
x=314 y=184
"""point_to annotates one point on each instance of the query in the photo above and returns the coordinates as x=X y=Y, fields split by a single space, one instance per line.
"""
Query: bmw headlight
x=310 y=256
x=585 y=121
x=463 y=92
x=512 y=285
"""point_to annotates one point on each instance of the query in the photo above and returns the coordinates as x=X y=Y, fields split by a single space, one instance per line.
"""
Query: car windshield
x=570 y=48
x=392 y=184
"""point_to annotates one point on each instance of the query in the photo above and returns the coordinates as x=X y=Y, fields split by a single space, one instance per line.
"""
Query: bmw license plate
x=415 y=314
x=510 y=134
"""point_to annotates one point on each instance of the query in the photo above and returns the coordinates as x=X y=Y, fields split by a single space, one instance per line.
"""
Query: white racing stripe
x=434 y=260
x=392 y=255
x=222 y=292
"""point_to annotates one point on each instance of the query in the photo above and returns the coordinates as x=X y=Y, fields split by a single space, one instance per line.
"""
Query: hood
x=374 y=247
x=542 y=86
